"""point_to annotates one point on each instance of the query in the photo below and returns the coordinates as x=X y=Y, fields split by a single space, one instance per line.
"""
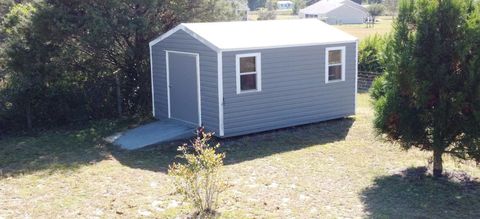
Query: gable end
x=191 y=33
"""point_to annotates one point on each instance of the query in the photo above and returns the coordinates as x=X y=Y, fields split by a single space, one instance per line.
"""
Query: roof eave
x=188 y=31
x=354 y=40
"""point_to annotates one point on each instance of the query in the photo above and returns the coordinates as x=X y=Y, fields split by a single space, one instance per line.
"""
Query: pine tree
x=429 y=97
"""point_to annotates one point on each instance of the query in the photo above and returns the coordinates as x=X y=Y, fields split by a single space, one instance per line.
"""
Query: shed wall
x=294 y=91
x=346 y=15
x=182 y=41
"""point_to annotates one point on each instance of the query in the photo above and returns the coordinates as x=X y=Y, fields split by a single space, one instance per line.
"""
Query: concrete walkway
x=152 y=133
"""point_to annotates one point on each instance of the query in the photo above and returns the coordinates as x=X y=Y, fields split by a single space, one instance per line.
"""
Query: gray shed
x=237 y=78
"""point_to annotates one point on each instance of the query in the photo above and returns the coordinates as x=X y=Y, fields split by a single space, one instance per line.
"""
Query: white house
x=285 y=5
x=336 y=12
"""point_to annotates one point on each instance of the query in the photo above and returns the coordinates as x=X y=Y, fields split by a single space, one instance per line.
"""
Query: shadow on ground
x=244 y=148
x=68 y=150
x=412 y=193
x=60 y=150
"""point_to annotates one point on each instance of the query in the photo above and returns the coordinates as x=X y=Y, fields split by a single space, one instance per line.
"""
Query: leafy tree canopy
x=371 y=54
x=63 y=59
x=297 y=5
x=375 y=10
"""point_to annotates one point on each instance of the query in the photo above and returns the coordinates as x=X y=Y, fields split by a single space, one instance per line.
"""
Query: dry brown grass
x=383 y=26
x=325 y=170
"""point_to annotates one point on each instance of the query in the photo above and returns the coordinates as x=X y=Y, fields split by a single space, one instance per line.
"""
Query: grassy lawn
x=383 y=26
x=325 y=170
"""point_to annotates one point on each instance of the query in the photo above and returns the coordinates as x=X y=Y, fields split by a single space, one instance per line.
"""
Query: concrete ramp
x=152 y=133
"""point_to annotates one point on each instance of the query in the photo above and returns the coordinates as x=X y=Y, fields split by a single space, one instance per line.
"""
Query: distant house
x=285 y=5
x=336 y=12
x=236 y=78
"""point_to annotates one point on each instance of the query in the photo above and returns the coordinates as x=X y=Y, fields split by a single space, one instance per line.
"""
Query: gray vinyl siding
x=182 y=41
x=294 y=91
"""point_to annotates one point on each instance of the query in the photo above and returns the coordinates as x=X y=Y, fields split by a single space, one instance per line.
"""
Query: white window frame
x=327 y=50
x=258 y=71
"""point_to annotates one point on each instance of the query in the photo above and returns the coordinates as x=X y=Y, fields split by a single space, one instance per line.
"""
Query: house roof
x=326 y=6
x=244 y=35
x=284 y=2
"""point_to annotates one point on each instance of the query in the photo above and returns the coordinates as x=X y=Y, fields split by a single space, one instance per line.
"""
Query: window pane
x=247 y=64
x=334 y=72
x=335 y=57
x=248 y=82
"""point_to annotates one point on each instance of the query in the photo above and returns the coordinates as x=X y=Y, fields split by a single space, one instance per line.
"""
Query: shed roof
x=244 y=35
x=326 y=6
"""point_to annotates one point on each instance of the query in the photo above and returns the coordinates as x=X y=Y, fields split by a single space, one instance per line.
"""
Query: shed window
x=248 y=72
x=335 y=64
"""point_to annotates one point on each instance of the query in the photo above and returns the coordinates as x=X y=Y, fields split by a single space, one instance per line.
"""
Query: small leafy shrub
x=371 y=52
x=198 y=180
x=379 y=88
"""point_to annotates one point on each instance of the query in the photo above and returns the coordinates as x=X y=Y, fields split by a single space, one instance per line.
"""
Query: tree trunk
x=119 y=95
x=28 y=114
x=437 y=163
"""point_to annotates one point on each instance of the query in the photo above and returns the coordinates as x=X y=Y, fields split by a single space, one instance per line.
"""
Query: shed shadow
x=413 y=193
x=55 y=150
x=243 y=148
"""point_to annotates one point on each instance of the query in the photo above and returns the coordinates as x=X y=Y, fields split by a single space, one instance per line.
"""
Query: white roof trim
x=191 y=33
x=165 y=35
x=287 y=46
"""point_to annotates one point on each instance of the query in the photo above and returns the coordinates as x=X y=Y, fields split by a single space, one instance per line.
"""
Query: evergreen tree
x=429 y=97
x=24 y=80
